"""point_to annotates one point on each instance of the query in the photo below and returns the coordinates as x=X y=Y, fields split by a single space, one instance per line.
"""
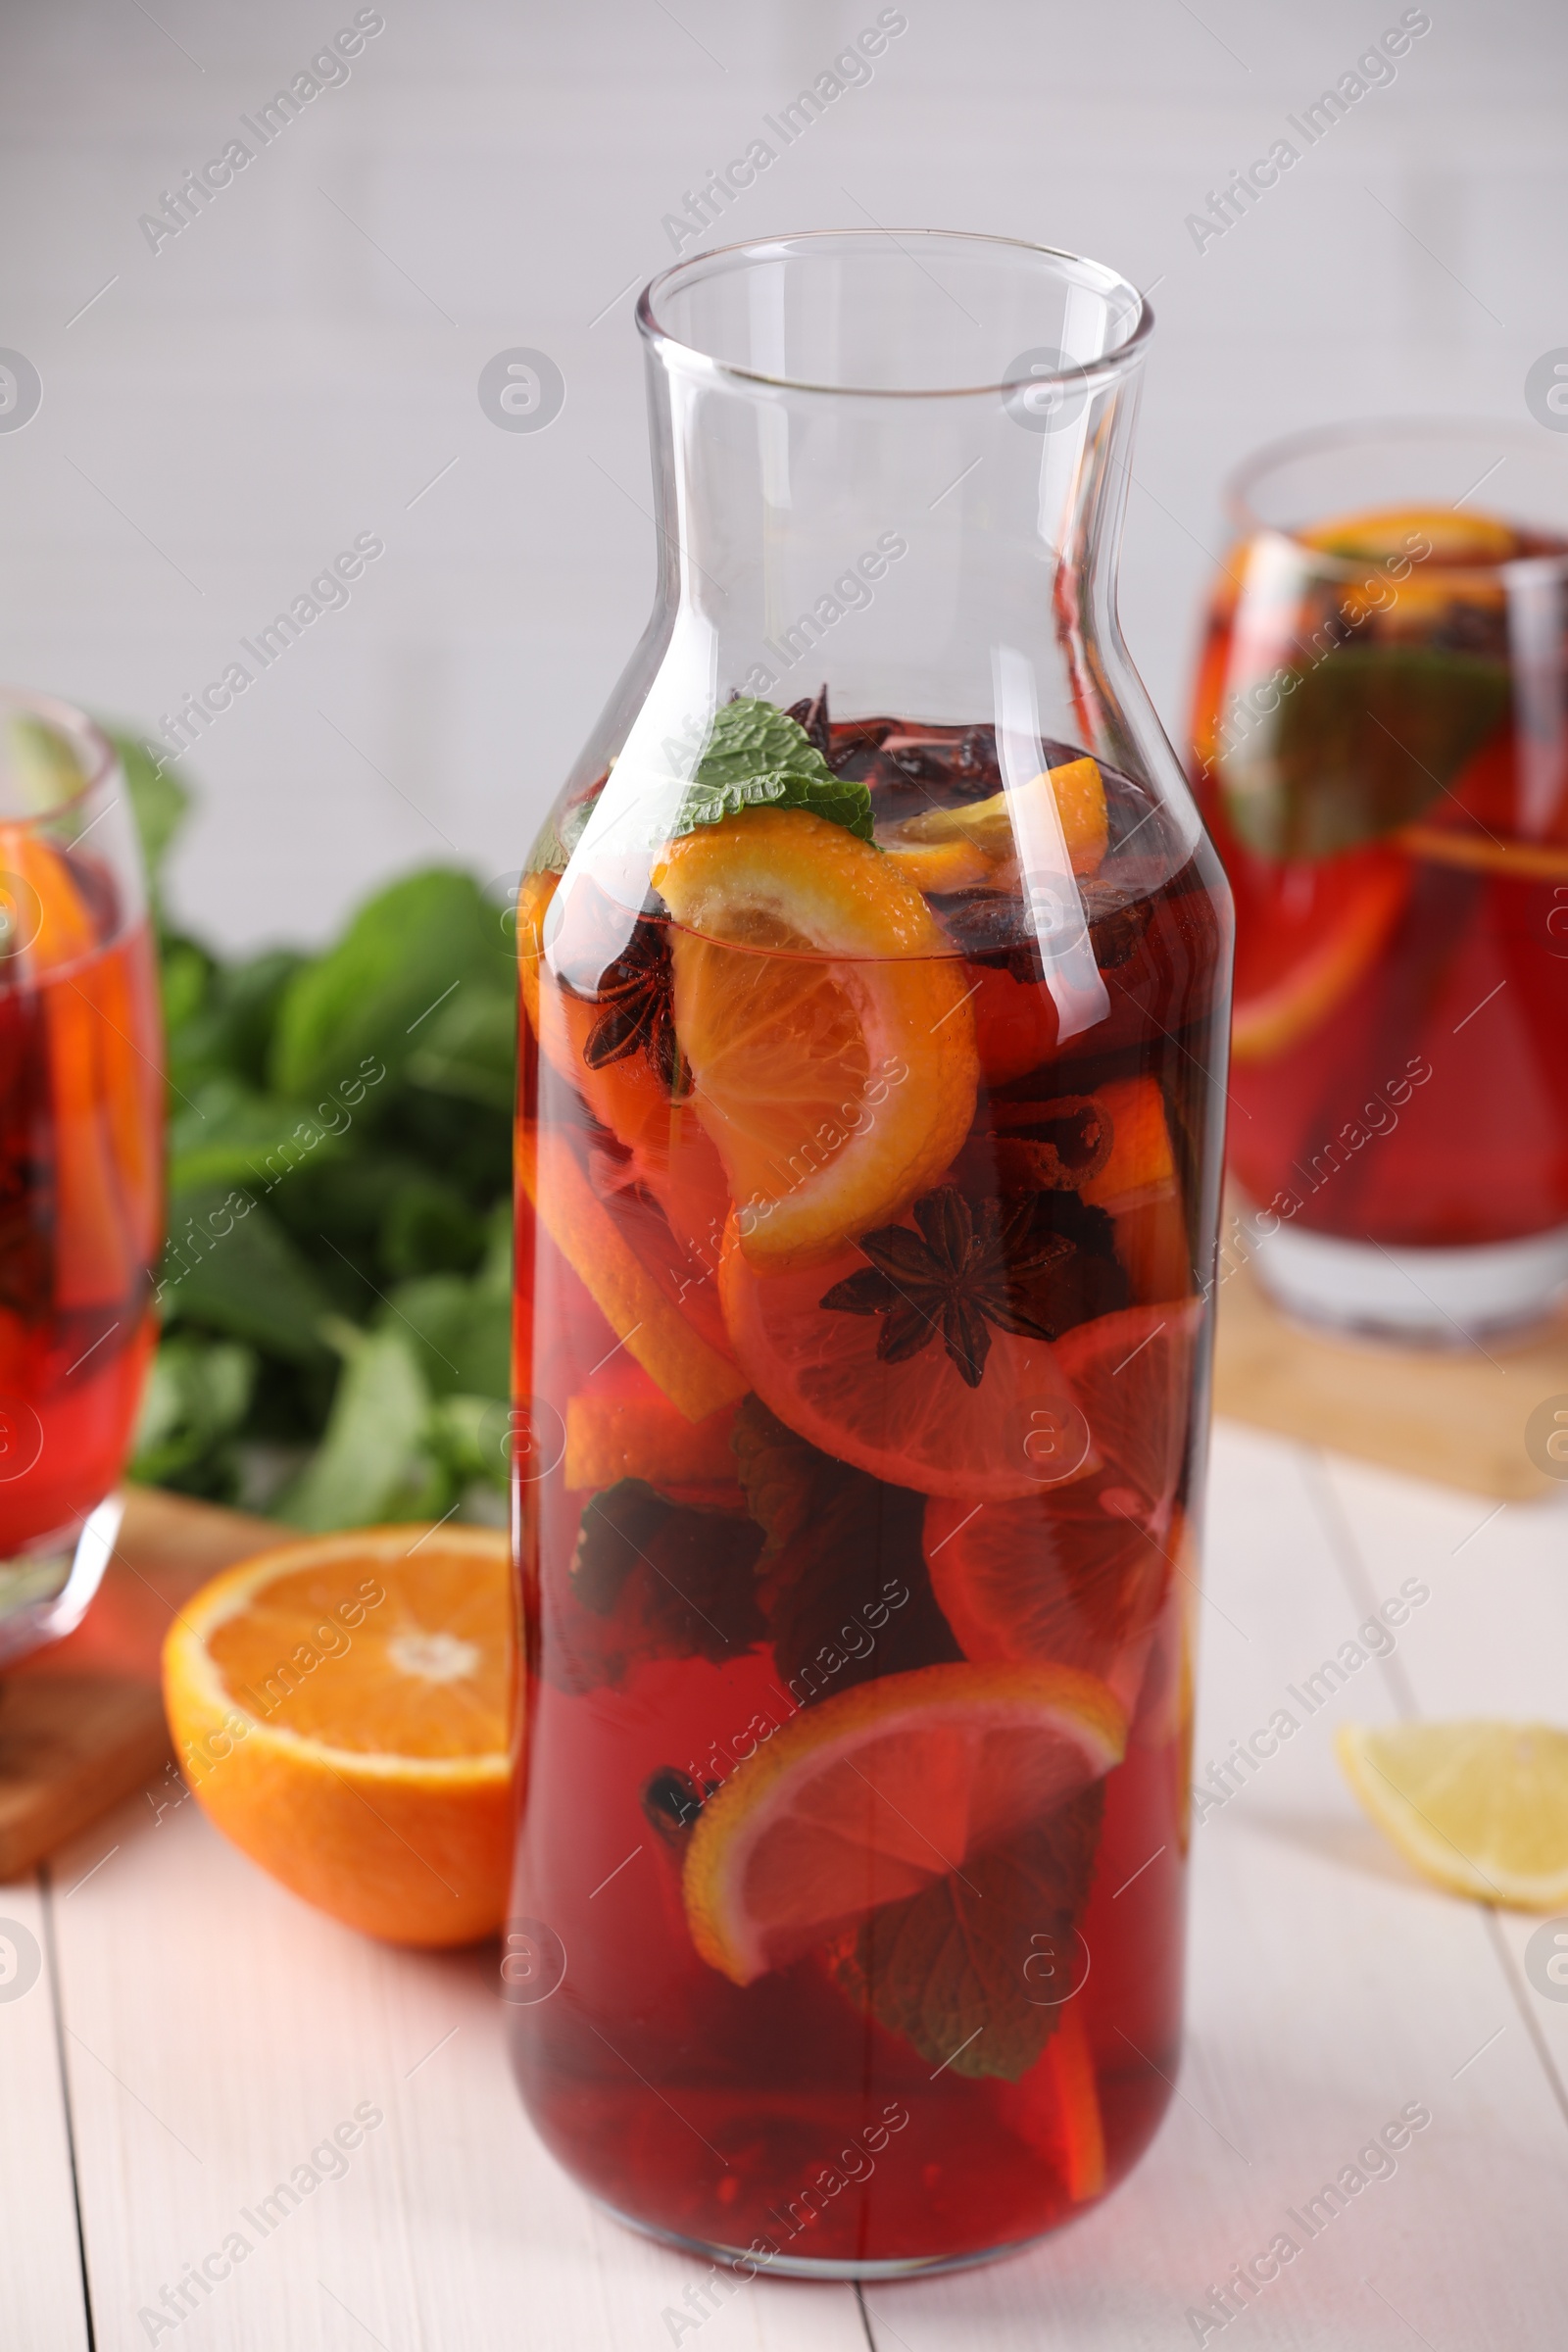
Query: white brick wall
x=269 y=384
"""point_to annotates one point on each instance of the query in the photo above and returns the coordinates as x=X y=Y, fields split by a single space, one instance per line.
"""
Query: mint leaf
x=649 y=1578
x=238 y=1275
x=365 y=1001
x=557 y=838
x=372 y=1463
x=757 y=757
x=777 y=1469
x=197 y=1395
x=1358 y=747
x=946 y=1969
x=613 y=1533
x=842 y=1580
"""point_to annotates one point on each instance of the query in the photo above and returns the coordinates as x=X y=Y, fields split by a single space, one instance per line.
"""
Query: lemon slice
x=871 y=1796
x=1482 y=1808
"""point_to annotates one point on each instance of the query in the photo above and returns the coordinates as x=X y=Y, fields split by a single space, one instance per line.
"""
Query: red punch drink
x=80 y=1152
x=1383 y=760
x=868 y=1154
x=866 y=1197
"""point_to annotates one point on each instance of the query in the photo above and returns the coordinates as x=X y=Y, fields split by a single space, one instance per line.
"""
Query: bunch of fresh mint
x=334 y=1290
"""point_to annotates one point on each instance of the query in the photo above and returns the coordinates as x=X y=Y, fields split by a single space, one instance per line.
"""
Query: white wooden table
x=194 y=2033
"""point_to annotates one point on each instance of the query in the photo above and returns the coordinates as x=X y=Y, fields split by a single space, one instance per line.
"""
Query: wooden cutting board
x=81 y=1725
x=1455 y=1415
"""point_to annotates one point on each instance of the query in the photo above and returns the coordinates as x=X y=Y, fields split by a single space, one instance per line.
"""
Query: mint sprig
x=757 y=756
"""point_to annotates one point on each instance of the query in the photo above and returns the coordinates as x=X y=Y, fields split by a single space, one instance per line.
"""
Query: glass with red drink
x=80 y=1158
x=1381 y=738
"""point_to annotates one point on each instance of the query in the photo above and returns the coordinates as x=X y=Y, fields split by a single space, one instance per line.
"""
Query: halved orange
x=824 y=1024
x=341 y=1709
x=871 y=1795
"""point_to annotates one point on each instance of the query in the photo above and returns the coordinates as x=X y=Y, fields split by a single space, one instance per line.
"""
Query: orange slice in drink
x=1140 y=1187
x=1075 y=1576
x=669 y=1152
x=669 y=1156
x=1015 y=1023
x=1307 y=960
x=534 y=894
x=1056 y=2108
x=1451 y=536
x=1077 y=1572
x=341 y=1710
x=642 y=1311
x=42 y=918
x=1132 y=1375
x=45 y=927
x=871 y=1796
x=1078 y=790
x=622 y=1426
x=937 y=865
x=1142 y=1164
x=915 y=1424
x=824 y=1025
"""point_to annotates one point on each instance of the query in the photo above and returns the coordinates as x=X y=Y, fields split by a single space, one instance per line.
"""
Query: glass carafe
x=875 y=969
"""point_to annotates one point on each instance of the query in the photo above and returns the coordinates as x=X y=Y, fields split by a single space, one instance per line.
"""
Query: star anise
x=955 y=1278
x=811 y=715
x=635 y=997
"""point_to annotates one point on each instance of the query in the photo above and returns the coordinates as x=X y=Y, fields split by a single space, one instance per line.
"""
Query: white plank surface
x=216 y=2032
x=1328 y=1985
x=41 y=2297
x=219 y=2031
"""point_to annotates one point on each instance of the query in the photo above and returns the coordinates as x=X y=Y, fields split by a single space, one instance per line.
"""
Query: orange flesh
x=407 y=1658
